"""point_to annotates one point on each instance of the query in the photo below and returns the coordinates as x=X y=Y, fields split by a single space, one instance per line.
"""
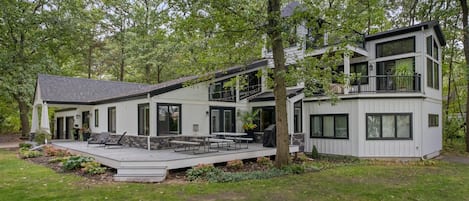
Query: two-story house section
x=393 y=109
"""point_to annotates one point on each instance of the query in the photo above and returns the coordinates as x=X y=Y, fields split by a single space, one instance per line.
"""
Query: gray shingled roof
x=59 y=89
x=79 y=90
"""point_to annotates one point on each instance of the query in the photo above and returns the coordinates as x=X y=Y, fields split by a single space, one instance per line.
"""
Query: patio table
x=204 y=143
x=233 y=136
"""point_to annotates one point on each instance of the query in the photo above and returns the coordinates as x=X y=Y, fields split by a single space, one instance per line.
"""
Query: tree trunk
x=282 y=155
x=466 y=54
x=24 y=115
x=122 y=63
x=90 y=53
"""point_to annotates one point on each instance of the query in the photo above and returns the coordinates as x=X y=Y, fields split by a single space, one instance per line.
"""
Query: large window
x=250 y=85
x=396 y=74
x=395 y=47
x=144 y=119
x=218 y=92
x=388 y=126
x=433 y=68
x=329 y=126
x=433 y=120
x=168 y=118
x=96 y=118
x=266 y=117
x=111 y=119
x=359 y=72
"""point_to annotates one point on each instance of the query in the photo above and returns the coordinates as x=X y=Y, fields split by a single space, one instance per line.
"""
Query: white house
x=377 y=116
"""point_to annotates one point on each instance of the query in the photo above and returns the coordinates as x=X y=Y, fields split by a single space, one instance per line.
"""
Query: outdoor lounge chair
x=115 y=143
x=99 y=139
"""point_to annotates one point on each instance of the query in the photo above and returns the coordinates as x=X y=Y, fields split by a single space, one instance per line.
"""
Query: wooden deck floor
x=134 y=164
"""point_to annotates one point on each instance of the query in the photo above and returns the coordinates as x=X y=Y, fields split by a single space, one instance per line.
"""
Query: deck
x=142 y=165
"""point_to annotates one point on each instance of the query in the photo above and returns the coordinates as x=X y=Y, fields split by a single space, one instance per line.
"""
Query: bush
x=235 y=165
x=25 y=145
x=51 y=151
x=74 y=162
x=203 y=172
x=26 y=153
x=40 y=137
x=294 y=169
x=92 y=168
x=264 y=162
x=301 y=157
x=314 y=152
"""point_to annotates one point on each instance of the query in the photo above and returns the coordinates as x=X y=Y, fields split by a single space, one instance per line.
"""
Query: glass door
x=222 y=119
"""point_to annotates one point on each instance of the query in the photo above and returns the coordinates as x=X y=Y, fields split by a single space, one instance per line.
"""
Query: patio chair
x=99 y=139
x=115 y=143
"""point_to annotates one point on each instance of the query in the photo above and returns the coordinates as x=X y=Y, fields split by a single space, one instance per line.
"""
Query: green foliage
x=74 y=162
x=26 y=153
x=202 y=172
x=314 y=152
x=248 y=118
x=59 y=159
x=41 y=135
x=92 y=168
x=301 y=157
x=264 y=162
x=25 y=145
x=235 y=164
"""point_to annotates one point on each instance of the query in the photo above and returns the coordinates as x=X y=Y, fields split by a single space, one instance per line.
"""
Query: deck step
x=139 y=178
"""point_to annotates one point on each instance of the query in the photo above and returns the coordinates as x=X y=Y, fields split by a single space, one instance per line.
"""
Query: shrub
x=51 y=151
x=92 y=168
x=294 y=169
x=41 y=135
x=314 y=152
x=74 y=162
x=26 y=153
x=301 y=157
x=235 y=165
x=264 y=162
x=25 y=145
x=203 y=172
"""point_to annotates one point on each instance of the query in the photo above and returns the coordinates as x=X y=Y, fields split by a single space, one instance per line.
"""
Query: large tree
x=465 y=15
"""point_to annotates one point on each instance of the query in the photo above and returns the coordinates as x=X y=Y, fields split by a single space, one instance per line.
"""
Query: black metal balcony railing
x=249 y=91
x=386 y=83
x=229 y=95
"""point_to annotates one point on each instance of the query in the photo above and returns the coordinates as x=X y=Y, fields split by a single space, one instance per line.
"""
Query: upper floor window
x=250 y=84
x=395 y=47
x=432 y=48
x=218 y=92
x=433 y=68
x=360 y=73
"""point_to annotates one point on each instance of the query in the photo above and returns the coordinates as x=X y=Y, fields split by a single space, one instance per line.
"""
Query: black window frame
x=222 y=117
x=96 y=118
x=109 y=109
x=395 y=126
x=300 y=119
x=322 y=127
x=158 y=116
x=393 y=41
x=223 y=89
x=139 y=128
x=433 y=120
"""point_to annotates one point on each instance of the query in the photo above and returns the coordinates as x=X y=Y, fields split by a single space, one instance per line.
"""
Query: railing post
x=359 y=85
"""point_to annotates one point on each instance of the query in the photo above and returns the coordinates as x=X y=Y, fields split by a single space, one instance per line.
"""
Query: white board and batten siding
x=432 y=136
x=358 y=145
x=332 y=146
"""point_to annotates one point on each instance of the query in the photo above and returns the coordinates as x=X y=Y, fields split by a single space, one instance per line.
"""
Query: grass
x=21 y=180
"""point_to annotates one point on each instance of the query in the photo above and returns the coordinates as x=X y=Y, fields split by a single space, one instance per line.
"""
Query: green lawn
x=21 y=180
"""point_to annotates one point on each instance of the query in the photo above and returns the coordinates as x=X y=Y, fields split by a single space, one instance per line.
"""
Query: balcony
x=229 y=95
x=377 y=84
x=386 y=84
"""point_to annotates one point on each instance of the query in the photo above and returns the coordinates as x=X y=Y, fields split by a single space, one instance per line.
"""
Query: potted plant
x=86 y=132
x=248 y=118
x=403 y=75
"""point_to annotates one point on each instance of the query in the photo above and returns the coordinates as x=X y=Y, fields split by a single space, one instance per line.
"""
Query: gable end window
x=389 y=126
x=395 y=47
x=433 y=120
x=433 y=68
x=334 y=126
